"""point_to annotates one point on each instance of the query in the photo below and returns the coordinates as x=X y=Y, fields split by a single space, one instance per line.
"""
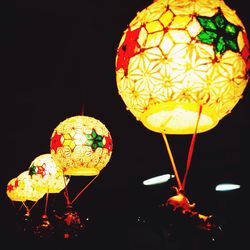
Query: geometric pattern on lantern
x=21 y=189
x=183 y=52
x=46 y=176
x=81 y=145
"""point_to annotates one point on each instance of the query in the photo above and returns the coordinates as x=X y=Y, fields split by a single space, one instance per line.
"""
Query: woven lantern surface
x=46 y=176
x=81 y=146
x=179 y=55
x=21 y=189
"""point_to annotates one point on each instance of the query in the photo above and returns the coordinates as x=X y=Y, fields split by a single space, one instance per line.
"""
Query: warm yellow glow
x=81 y=146
x=178 y=118
x=174 y=58
x=46 y=176
x=82 y=171
x=21 y=189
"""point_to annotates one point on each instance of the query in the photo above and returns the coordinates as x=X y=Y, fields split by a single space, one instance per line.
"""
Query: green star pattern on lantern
x=32 y=170
x=219 y=32
x=94 y=140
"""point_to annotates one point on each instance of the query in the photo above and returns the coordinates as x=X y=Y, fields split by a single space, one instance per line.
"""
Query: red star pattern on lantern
x=128 y=49
x=108 y=145
x=56 y=141
x=245 y=52
x=11 y=187
x=41 y=170
x=16 y=183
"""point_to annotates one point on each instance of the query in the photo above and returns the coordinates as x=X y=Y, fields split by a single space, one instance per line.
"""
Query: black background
x=59 y=61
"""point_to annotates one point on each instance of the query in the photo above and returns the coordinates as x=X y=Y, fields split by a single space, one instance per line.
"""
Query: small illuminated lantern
x=20 y=189
x=46 y=176
x=81 y=146
x=178 y=56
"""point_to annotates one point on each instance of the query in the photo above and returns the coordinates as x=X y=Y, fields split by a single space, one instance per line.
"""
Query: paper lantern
x=81 y=146
x=179 y=55
x=20 y=189
x=46 y=176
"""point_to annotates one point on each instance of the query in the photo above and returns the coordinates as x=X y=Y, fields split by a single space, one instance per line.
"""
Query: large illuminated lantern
x=182 y=66
x=81 y=146
x=181 y=57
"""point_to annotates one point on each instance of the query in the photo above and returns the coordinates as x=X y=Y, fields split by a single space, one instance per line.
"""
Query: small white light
x=226 y=187
x=158 y=179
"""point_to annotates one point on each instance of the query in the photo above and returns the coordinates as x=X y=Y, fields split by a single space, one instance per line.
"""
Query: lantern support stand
x=45 y=229
x=191 y=149
x=180 y=200
x=26 y=207
x=71 y=221
x=66 y=193
x=46 y=203
x=28 y=210
x=181 y=185
x=172 y=161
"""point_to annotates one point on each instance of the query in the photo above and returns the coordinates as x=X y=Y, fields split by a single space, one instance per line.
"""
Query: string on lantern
x=44 y=229
x=172 y=162
x=180 y=199
x=84 y=189
x=28 y=209
x=190 y=152
x=71 y=222
x=181 y=185
x=66 y=192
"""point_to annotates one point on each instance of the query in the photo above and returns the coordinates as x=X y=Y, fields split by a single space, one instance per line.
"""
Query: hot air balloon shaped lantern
x=81 y=146
x=20 y=190
x=182 y=66
x=178 y=55
x=48 y=178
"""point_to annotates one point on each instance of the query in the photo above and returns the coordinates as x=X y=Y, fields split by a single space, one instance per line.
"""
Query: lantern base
x=81 y=171
x=179 y=118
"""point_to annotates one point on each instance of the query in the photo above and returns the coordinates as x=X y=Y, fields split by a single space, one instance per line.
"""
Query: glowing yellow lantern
x=81 y=146
x=177 y=57
x=21 y=189
x=46 y=176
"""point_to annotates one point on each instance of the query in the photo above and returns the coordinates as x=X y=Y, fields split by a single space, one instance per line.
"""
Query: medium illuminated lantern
x=20 y=189
x=46 y=176
x=181 y=57
x=81 y=146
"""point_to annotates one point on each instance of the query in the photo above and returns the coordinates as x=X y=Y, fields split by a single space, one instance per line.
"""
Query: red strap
x=191 y=149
